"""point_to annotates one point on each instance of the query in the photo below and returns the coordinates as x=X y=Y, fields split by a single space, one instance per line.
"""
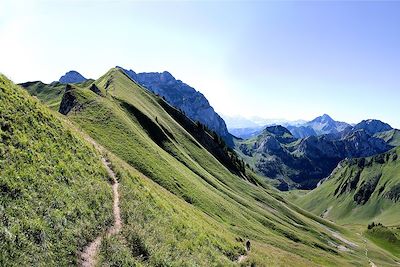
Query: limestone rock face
x=183 y=97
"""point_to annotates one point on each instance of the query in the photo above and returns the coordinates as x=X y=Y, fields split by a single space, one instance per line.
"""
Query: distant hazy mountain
x=238 y=122
x=248 y=127
x=321 y=125
x=246 y=133
x=72 y=77
x=183 y=97
x=303 y=162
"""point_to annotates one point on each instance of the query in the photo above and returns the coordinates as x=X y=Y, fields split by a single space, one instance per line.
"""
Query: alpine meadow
x=221 y=153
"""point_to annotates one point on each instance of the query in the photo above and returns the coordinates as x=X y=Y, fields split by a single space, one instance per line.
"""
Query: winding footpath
x=88 y=256
x=366 y=254
x=243 y=257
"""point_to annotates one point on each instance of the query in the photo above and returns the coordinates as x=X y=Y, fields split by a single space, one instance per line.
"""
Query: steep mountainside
x=54 y=192
x=183 y=205
x=183 y=97
x=50 y=94
x=303 y=162
x=360 y=191
x=392 y=137
x=72 y=77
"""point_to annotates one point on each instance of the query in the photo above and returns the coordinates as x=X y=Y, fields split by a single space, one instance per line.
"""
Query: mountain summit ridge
x=184 y=97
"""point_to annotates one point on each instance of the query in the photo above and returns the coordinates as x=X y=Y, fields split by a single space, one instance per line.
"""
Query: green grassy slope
x=388 y=239
x=50 y=94
x=54 y=192
x=391 y=137
x=360 y=191
x=180 y=205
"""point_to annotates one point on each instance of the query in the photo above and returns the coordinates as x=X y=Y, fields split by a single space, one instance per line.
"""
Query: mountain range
x=321 y=125
x=303 y=162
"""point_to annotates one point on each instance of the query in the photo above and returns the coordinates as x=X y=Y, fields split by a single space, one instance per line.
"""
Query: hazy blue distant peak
x=72 y=77
x=240 y=122
x=323 y=118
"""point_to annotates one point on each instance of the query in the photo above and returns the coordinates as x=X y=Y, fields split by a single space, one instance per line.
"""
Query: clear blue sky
x=286 y=59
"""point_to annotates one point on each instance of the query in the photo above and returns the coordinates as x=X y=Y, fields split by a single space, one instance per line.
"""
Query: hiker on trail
x=248 y=245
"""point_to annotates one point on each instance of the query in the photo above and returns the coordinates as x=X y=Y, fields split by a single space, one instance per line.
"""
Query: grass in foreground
x=54 y=192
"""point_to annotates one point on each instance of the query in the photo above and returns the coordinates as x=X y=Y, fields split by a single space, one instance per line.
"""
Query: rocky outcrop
x=72 y=77
x=95 y=90
x=68 y=101
x=184 y=98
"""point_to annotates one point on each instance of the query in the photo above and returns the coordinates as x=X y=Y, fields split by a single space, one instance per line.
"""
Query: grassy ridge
x=49 y=94
x=391 y=137
x=180 y=205
x=387 y=238
x=54 y=192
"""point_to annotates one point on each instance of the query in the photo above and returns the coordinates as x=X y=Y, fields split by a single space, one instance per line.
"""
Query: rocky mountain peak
x=166 y=77
x=323 y=119
x=72 y=77
x=278 y=130
x=373 y=126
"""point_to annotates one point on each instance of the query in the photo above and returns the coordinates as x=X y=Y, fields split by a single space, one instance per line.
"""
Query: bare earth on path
x=88 y=257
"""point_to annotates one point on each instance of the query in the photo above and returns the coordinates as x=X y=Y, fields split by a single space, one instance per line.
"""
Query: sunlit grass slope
x=49 y=94
x=360 y=191
x=54 y=192
x=385 y=237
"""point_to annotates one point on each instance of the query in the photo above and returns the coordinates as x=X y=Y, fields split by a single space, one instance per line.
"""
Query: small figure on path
x=248 y=245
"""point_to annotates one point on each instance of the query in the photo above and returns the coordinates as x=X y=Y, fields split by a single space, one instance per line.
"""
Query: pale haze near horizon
x=289 y=60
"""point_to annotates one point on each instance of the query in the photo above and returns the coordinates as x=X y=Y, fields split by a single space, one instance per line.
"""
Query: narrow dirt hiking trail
x=243 y=257
x=366 y=254
x=88 y=257
x=117 y=214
